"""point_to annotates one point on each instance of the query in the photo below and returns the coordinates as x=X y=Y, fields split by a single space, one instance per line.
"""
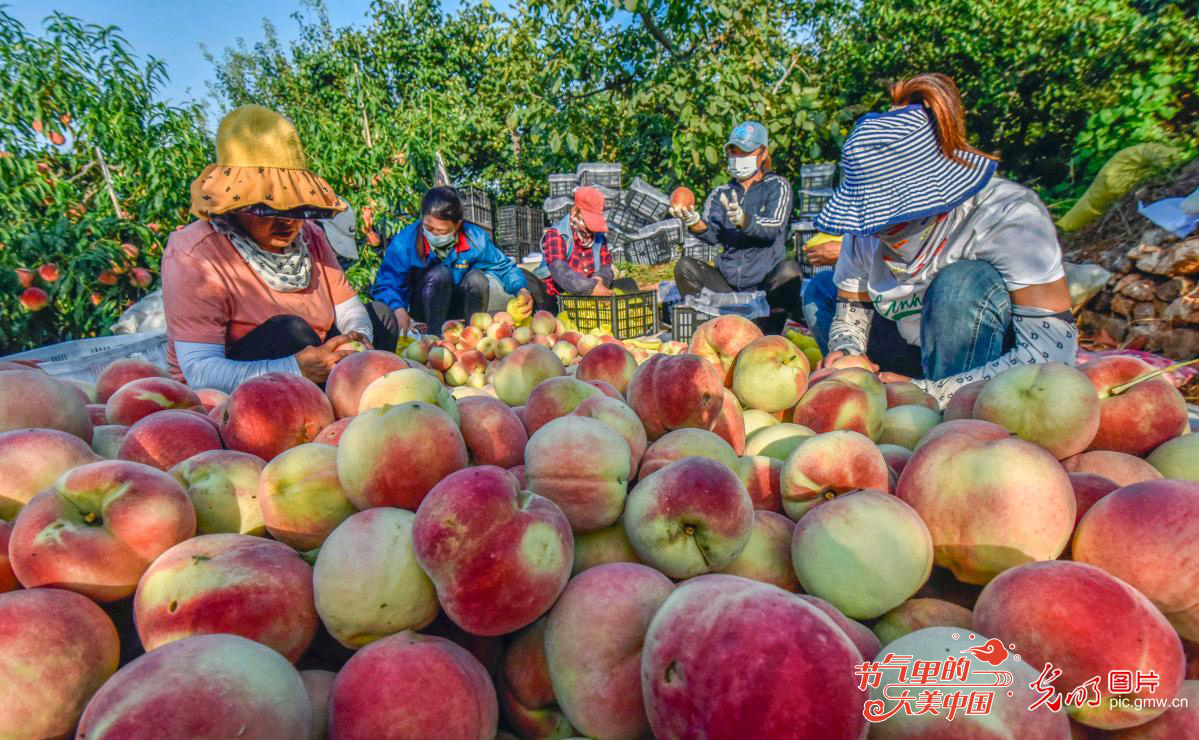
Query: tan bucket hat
x=261 y=167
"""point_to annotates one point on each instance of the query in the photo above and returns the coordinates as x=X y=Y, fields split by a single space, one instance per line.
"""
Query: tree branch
x=614 y=84
x=794 y=60
x=82 y=172
x=651 y=25
x=112 y=193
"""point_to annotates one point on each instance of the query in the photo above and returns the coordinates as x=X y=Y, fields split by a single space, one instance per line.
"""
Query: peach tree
x=94 y=171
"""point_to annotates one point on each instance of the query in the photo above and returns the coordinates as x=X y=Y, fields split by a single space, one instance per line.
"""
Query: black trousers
x=435 y=297
x=542 y=299
x=781 y=284
x=287 y=334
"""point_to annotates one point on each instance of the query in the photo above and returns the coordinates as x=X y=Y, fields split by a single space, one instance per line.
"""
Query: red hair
x=939 y=95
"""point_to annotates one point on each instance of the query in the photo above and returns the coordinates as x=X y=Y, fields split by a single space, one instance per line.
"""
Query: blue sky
x=174 y=30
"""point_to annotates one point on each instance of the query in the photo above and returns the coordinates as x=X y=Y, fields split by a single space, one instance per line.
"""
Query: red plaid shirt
x=582 y=261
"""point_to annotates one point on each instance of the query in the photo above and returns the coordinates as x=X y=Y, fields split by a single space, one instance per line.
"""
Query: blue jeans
x=819 y=301
x=966 y=321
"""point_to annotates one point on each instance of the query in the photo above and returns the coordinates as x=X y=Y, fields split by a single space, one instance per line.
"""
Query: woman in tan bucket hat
x=253 y=286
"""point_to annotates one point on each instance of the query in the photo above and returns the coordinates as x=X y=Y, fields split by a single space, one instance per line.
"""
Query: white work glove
x=688 y=215
x=732 y=208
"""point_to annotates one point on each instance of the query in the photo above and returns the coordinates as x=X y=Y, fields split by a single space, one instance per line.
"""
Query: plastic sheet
x=146 y=315
x=750 y=304
x=1084 y=281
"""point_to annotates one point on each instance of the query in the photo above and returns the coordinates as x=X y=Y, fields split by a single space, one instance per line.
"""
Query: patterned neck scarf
x=909 y=244
x=583 y=238
x=289 y=271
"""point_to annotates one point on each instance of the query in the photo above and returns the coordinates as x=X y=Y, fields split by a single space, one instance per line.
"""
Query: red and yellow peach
x=582 y=465
x=204 y=686
x=802 y=665
x=367 y=582
x=272 y=413
x=394 y=455
x=223 y=488
x=98 y=528
x=56 y=649
x=498 y=556
x=693 y=516
x=32 y=459
x=410 y=685
x=1086 y=623
x=301 y=497
x=227 y=584
x=593 y=640
x=31 y=399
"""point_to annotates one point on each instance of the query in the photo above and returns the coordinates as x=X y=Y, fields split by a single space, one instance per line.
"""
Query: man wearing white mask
x=749 y=217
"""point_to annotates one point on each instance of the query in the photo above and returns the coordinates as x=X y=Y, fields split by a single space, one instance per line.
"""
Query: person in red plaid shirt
x=575 y=250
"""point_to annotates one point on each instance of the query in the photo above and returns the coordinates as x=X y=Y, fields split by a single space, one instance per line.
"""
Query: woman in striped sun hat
x=947 y=274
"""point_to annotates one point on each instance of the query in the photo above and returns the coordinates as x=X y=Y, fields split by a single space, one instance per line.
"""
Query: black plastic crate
x=683 y=322
x=519 y=225
x=811 y=201
x=622 y=218
x=657 y=243
x=477 y=207
x=557 y=207
x=801 y=232
x=607 y=174
x=817 y=175
x=518 y=252
x=646 y=201
x=618 y=244
x=629 y=315
x=669 y=230
x=700 y=249
x=648 y=250
x=563 y=185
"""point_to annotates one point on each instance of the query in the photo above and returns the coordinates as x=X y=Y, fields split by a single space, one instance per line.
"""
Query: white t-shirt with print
x=1005 y=224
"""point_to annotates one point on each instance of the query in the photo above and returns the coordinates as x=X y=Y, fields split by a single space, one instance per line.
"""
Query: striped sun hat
x=893 y=171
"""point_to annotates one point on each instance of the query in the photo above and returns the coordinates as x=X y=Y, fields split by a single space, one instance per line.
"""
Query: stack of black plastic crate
x=815 y=188
x=477 y=207
x=518 y=230
x=639 y=229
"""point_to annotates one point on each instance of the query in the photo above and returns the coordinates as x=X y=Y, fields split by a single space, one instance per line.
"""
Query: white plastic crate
x=607 y=174
x=611 y=195
x=556 y=208
x=85 y=359
x=562 y=185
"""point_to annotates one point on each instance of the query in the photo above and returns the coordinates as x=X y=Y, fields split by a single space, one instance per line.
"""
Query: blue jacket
x=408 y=252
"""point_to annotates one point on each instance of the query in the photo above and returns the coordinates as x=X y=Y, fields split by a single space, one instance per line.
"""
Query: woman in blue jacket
x=437 y=267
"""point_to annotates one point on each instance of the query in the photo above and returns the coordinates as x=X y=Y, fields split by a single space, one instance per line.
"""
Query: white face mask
x=438 y=241
x=743 y=168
